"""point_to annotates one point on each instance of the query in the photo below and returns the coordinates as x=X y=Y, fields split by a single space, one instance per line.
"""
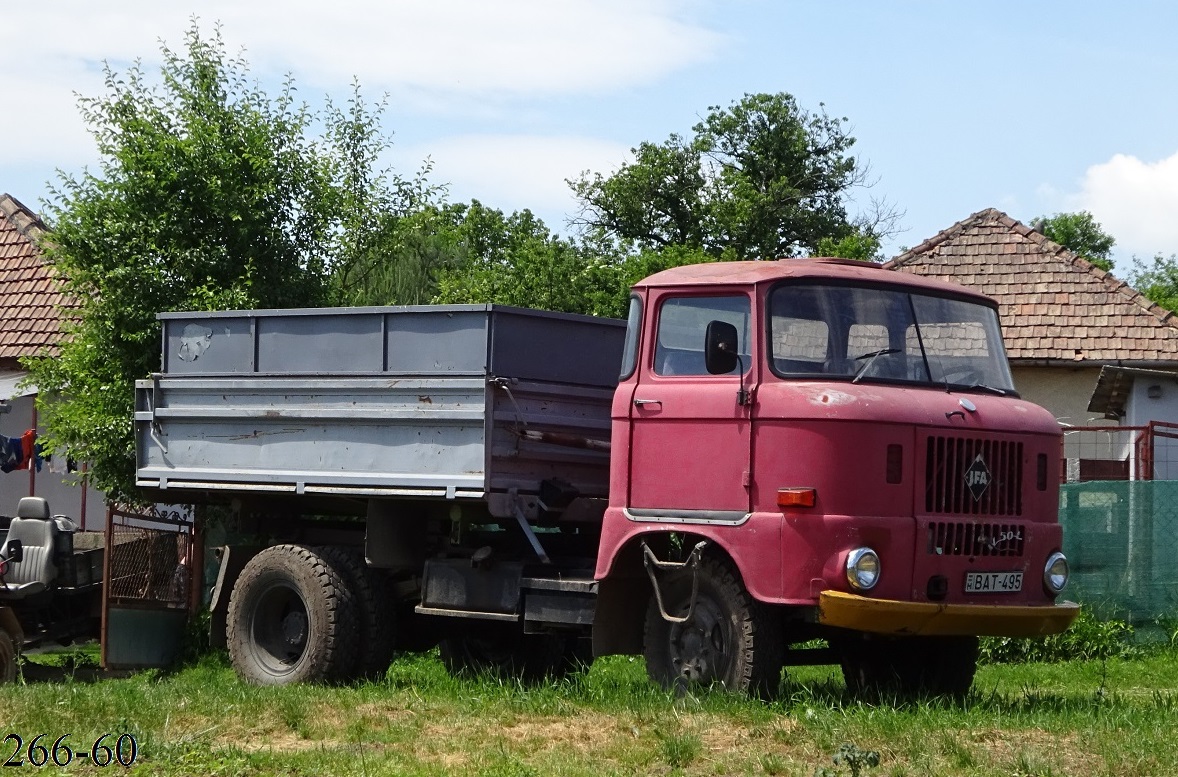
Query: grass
x=1109 y=718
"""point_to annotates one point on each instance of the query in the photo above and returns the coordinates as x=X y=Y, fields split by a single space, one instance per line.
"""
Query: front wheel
x=730 y=640
x=292 y=618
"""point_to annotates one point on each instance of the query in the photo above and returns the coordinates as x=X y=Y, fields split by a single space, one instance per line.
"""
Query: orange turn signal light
x=796 y=497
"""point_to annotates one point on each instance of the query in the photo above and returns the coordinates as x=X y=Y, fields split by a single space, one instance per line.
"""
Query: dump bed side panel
x=452 y=402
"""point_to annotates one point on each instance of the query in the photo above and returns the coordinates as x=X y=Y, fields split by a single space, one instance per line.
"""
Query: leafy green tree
x=510 y=259
x=379 y=255
x=862 y=246
x=1157 y=279
x=406 y=259
x=210 y=194
x=1081 y=234
x=759 y=180
x=515 y=260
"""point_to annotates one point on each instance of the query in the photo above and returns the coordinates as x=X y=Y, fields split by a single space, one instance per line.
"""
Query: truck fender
x=623 y=595
x=233 y=559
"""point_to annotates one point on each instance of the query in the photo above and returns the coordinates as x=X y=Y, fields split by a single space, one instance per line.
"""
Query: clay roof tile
x=1055 y=305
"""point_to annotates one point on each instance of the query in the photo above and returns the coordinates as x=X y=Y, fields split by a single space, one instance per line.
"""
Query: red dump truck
x=802 y=462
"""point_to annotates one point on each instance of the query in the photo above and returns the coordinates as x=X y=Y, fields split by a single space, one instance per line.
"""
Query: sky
x=1031 y=108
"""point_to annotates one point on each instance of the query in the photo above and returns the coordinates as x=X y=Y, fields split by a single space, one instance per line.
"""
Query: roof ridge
x=1050 y=248
x=945 y=234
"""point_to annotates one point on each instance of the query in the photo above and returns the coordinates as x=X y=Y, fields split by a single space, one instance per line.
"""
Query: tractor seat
x=37 y=533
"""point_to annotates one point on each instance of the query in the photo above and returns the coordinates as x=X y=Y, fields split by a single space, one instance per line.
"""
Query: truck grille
x=975 y=539
x=970 y=476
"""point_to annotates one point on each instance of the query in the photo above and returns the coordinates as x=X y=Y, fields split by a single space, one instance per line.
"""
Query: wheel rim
x=279 y=628
x=701 y=650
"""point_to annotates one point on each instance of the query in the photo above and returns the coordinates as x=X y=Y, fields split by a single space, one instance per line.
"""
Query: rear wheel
x=375 y=613
x=910 y=667
x=730 y=640
x=292 y=618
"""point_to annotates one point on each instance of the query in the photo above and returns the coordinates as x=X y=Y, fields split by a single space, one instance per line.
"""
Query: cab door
x=690 y=437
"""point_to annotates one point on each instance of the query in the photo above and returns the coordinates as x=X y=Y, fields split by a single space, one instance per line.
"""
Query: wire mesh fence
x=1121 y=538
x=150 y=558
x=1120 y=453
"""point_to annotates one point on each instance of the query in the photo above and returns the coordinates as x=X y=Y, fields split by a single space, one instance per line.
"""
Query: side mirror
x=720 y=347
x=16 y=552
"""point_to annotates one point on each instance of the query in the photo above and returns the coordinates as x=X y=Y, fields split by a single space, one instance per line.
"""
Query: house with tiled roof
x=31 y=309
x=1063 y=318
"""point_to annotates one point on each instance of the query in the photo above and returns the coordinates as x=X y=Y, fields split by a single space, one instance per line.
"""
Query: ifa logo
x=977 y=477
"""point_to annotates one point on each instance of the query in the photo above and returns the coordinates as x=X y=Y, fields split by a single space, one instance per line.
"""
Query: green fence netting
x=1121 y=539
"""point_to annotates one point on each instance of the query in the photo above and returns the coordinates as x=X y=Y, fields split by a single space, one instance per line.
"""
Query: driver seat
x=37 y=533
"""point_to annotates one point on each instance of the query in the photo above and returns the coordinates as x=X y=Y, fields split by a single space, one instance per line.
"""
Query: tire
x=8 y=667
x=731 y=640
x=292 y=619
x=375 y=613
x=909 y=667
x=509 y=653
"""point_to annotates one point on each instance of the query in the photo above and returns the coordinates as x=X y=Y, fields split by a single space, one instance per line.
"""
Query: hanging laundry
x=28 y=448
x=11 y=453
x=57 y=462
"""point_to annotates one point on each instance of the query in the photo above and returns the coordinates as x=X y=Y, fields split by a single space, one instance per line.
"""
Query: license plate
x=993 y=582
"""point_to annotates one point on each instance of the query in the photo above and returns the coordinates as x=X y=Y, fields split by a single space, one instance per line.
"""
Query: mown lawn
x=1081 y=718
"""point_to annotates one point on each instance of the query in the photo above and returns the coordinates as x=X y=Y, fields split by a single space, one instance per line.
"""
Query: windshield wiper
x=991 y=389
x=871 y=356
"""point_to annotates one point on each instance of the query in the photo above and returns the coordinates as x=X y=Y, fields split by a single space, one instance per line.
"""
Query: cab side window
x=679 y=348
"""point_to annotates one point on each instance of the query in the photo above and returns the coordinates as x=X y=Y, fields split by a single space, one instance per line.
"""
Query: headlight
x=862 y=569
x=1055 y=573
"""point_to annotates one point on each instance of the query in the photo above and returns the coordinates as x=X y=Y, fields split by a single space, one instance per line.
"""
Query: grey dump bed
x=437 y=401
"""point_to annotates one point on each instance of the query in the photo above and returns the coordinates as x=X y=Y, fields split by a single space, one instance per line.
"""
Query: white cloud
x=512 y=172
x=443 y=57
x=521 y=47
x=1135 y=201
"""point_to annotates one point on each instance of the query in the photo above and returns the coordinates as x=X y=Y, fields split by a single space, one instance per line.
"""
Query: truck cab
x=824 y=449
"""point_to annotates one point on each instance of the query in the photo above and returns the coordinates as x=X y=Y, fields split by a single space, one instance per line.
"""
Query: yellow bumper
x=884 y=616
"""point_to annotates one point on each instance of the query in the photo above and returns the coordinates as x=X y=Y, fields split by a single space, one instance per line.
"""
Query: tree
x=516 y=260
x=862 y=246
x=1081 y=234
x=511 y=260
x=210 y=194
x=1157 y=280
x=379 y=256
x=759 y=180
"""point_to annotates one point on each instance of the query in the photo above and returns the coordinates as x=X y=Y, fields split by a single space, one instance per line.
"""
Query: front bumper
x=885 y=616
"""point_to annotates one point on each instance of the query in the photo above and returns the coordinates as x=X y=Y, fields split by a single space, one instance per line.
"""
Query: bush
x=1088 y=638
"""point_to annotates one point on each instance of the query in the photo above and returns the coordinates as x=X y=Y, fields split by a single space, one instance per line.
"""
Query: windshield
x=886 y=335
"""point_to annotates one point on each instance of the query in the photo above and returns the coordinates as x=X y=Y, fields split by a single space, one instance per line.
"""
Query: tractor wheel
x=292 y=618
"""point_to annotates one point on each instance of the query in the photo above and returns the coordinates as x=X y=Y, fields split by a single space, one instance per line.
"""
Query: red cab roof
x=755 y=273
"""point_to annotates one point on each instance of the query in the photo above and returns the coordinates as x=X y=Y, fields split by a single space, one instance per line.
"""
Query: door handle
x=641 y=402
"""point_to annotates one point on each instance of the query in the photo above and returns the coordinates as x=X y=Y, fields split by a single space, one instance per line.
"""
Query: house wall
x=1140 y=409
x=1064 y=391
x=64 y=498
